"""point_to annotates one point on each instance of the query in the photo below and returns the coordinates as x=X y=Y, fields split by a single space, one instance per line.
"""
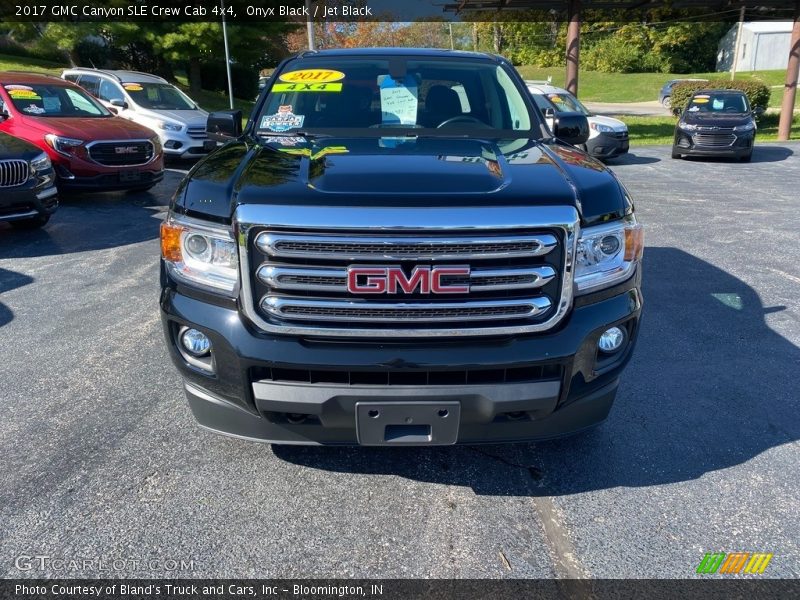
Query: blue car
x=665 y=95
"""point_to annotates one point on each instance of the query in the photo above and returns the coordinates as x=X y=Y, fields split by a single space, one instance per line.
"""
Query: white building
x=765 y=45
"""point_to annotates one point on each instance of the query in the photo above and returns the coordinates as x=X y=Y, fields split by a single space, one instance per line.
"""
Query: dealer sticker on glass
x=283 y=120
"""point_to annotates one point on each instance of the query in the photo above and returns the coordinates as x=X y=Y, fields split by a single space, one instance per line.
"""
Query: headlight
x=41 y=163
x=63 y=145
x=746 y=127
x=686 y=126
x=601 y=128
x=168 y=126
x=200 y=254
x=607 y=254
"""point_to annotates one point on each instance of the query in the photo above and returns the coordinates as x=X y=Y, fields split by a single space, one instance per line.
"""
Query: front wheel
x=32 y=223
x=747 y=157
x=666 y=102
x=675 y=154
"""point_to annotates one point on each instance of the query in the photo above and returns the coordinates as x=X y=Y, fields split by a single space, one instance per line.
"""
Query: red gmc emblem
x=392 y=280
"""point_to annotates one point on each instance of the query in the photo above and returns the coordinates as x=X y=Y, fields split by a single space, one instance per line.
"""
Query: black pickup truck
x=397 y=251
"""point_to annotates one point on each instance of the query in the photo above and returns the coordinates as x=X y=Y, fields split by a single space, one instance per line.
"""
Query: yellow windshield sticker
x=312 y=76
x=307 y=87
x=132 y=87
x=700 y=101
x=24 y=95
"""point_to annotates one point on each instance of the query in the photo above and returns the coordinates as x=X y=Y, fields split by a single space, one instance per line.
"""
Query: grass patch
x=642 y=87
x=660 y=130
x=18 y=63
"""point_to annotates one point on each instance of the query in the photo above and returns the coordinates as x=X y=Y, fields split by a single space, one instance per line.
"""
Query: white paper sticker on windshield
x=399 y=101
x=33 y=110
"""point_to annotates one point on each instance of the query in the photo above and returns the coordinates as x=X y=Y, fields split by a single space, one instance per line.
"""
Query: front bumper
x=111 y=181
x=608 y=145
x=685 y=143
x=29 y=201
x=274 y=388
x=179 y=144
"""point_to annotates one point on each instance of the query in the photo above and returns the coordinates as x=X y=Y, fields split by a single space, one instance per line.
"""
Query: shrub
x=244 y=80
x=757 y=91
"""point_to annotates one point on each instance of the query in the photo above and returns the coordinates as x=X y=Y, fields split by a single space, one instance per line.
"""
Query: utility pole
x=310 y=27
x=738 y=45
x=573 y=46
x=227 y=54
x=452 y=46
x=790 y=87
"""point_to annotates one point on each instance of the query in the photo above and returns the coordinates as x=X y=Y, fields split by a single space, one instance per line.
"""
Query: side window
x=71 y=77
x=90 y=83
x=109 y=91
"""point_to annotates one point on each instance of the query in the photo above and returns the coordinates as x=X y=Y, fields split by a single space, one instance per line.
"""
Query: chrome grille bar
x=13 y=172
x=427 y=312
x=335 y=279
x=377 y=247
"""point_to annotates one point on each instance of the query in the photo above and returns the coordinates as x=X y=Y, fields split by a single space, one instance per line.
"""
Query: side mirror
x=4 y=114
x=571 y=127
x=549 y=113
x=120 y=103
x=758 y=111
x=224 y=124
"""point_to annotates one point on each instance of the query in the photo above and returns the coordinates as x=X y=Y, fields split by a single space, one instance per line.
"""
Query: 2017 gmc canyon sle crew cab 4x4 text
x=396 y=251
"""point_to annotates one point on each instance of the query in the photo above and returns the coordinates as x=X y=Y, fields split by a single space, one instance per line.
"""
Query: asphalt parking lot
x=101 y=456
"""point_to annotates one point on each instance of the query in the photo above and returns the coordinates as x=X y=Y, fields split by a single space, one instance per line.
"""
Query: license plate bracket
x=426 y=423
x=129 y=176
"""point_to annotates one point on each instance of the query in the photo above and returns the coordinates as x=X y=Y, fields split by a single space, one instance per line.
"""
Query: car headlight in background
x=41 y=163
x=156 y=141
x=200 y=254
x=601 y=128
x=686 y=126
x=166 y=126
x=745 y=127
x=607 y=254
x=64 y=145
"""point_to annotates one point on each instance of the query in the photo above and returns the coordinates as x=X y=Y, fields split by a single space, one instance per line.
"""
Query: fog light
x=195 y=342
x=611 y=340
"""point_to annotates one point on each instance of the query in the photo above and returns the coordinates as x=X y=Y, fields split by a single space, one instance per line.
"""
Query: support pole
x=573 y=46
x=790 y=87
x=737 y=47
x=310 y=27
x=227 y=55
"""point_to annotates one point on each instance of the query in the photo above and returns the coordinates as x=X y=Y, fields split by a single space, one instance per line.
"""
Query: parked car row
x=89 y=130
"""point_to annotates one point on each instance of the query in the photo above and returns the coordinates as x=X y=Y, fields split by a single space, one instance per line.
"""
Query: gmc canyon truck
x=397 y=250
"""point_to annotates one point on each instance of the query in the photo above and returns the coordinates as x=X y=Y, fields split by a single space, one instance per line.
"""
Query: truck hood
x=89 y=129
x=707 y=119
x=417 y=173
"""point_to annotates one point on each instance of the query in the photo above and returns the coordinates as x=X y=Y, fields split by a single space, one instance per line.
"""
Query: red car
x=91 y=148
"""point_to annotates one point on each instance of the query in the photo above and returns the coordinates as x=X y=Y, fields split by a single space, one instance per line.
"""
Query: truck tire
x=675 y=154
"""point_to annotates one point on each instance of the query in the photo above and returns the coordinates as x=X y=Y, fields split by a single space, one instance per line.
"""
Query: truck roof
x=430 y=52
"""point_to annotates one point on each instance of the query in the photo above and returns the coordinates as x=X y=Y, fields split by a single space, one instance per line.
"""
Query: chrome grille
x=197 y=133
x=714 y=139
x=335 y=279
x=513 y=269
x=402 y=248
x=371 y=312
x=121 y=153
x=13 y=172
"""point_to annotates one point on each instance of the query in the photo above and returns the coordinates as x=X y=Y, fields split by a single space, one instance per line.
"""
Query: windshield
x=367 y=93
x=565 y=102
x=53 y=100
x=718 y=102
x=158 y=96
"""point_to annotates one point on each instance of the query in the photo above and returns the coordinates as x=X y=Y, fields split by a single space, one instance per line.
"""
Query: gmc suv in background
x=397 y=251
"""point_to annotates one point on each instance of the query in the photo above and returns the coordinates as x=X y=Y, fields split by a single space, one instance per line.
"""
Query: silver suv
x=153 y=102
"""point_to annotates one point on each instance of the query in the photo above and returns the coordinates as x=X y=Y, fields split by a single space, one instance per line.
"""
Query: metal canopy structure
x=638 y=10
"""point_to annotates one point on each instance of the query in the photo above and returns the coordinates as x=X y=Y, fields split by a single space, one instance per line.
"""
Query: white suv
x=153 y=102
x=608 y=137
